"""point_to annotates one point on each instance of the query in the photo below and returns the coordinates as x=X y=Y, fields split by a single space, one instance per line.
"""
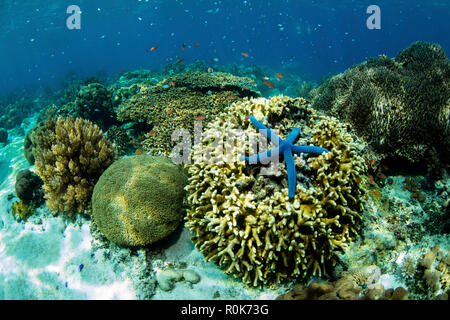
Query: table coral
x=400 y=106
x=177 y=101
x=245 y=222
x=71 y=154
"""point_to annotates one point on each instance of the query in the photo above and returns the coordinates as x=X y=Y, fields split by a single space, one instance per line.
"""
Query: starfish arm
x=293 y=135
x=309 y=149
x=292 y=174
x=264 y=157
x=272 y=137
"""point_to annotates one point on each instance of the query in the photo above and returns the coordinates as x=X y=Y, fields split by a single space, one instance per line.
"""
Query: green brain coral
x=244 y=221
x=138 y=200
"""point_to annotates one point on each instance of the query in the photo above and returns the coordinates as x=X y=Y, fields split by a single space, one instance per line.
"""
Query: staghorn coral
x=177 y=101
x=71 y=154
x=242 y=219
x=399 y=106
x=138 y=200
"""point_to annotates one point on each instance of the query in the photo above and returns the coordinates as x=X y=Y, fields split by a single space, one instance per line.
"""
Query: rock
x=191 y=276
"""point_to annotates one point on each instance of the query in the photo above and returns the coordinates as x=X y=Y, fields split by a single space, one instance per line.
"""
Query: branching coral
x=71 y=154
x=243 y=219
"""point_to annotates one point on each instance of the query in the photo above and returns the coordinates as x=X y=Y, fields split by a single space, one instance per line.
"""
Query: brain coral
x=71 y=154
x=242 y=218
x=177 y=101
x=400 y=106
x=138 y=200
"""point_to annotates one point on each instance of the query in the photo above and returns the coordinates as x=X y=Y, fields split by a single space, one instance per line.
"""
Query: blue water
x=309 y=38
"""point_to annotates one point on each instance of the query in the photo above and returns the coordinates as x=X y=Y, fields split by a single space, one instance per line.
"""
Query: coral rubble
x=244 y=221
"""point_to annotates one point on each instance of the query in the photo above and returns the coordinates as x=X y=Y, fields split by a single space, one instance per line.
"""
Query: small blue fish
x=65 y=284
x=80 y=267
x=166 y=86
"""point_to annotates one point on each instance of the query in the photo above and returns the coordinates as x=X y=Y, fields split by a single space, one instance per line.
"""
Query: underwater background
x=92 y=207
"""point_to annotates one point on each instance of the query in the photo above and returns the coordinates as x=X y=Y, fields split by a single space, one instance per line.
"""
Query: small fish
x=278 y=79
x=65 y=284
x=231 y=97
x=247 y=119
x=166 y=86
x=183 y=47
x=108 y=95
x=245 y=87
x=180 y=61
x=280 y=75
x=269 y=84
x=152 y=132
x=172 y=83
x=245 y=54
x=196 y=44
x=266 y=78
x=153 y=48
x=200 y=118
x=214 y=60
x=80 y=267
x=169 y=111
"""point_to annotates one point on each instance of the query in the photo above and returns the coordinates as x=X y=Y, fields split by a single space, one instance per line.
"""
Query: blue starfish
x=286 y=147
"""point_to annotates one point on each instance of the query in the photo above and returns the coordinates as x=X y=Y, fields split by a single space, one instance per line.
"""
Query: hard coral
x=342 y=289
x=71 y=154
x=400 y=106
x=244 y=221
x=138 y=200
x=177 y=101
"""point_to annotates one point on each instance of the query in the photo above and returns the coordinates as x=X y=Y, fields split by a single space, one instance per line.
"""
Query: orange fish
x=153 y=48
x=196 y=44
x=280 y=75
x=269 y=84
x=200 y=118
x=169 y=111
x=278 y=79
x=245 y=54
x=247 y=118
x=180 y=61
x=231 y=97
x=183 y=47
x=152 y=132
x=172 y=83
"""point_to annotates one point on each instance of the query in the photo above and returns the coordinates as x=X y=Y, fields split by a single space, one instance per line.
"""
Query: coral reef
x=138 y=200
x=399 y=106
x=28 y=187
x=177 y=101
x=242 y=218
x=71 y=154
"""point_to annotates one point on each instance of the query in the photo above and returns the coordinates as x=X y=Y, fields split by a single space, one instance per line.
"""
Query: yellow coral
x=70 y=157
x=245 y=222
x=21 y=211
